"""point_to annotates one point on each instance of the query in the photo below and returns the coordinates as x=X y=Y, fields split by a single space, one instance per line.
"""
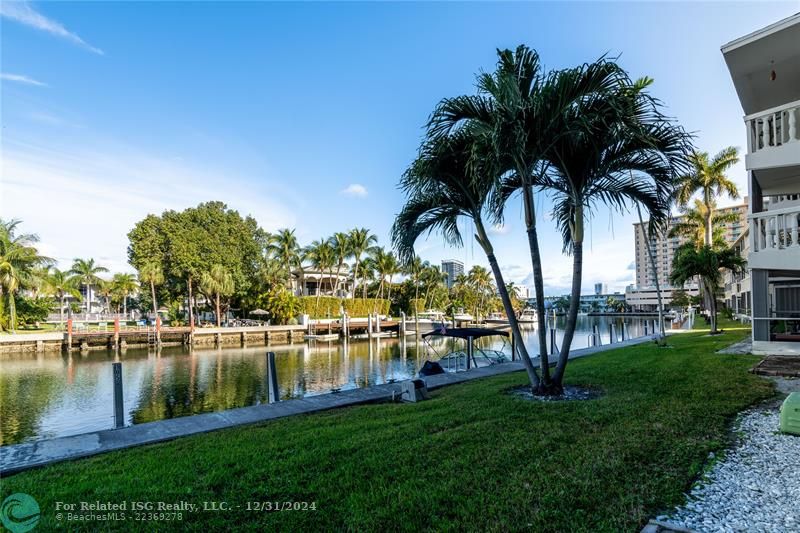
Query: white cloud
x=500 y=229
x=355 y=189
x=23 y=13
x=20 y=78
x=83 y=201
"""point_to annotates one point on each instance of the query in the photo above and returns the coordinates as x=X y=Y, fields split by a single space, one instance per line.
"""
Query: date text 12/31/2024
x=190 y=507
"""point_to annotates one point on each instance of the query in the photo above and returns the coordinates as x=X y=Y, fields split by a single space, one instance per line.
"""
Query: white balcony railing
x=775 y=230
x=773 y=128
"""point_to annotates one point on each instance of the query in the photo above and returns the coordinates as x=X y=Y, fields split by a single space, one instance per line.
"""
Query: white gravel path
x=755 y=487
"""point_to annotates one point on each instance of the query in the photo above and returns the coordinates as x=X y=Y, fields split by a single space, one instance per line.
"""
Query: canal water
x=51 y=395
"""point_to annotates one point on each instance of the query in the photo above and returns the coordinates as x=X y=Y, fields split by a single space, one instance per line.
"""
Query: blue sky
x=305 y=115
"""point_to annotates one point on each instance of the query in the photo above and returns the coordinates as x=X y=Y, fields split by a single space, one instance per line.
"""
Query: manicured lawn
x=471 y=458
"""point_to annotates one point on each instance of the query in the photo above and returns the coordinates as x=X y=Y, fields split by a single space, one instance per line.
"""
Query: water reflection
x=49 y=395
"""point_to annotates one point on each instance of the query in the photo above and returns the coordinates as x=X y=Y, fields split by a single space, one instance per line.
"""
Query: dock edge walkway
x=18 y=457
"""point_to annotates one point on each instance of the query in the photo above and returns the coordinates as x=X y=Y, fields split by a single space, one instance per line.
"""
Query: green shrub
x=331 y=307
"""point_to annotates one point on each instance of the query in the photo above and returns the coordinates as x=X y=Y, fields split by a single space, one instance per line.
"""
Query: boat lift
x=466 y=358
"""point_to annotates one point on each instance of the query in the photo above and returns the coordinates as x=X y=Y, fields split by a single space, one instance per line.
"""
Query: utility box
x=790 y=414
x=414 y=390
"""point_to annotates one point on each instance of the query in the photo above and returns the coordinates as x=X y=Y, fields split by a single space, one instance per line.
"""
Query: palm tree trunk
x=155 y=311
x=125 y=304
x=219 y=318
x=483 y=240
x=189 y=303
x=572 y=313
x=538 y=279
x=654 y=271
x=355 y=278
x=61 y=313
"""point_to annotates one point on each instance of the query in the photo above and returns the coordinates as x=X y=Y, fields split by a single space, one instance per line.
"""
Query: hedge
x=330 y=307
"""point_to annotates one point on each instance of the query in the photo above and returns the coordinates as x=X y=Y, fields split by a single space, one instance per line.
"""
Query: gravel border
x=754 y=487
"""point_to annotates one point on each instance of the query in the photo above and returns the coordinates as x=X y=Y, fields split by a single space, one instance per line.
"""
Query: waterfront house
x=765 y=69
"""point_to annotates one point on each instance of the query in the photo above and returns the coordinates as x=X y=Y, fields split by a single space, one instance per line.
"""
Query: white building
x=765 y=69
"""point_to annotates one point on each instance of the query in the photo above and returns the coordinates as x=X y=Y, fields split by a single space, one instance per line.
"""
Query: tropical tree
x=152 y=274
x=453 y=177
x=19 y=261
x=284 y=248
x=106 y=290
x=321 y=255
x=340 y=242
x=707 y=176
x=707 y=263
x=479 y=278
x=508 y=113
x=362 y=241
x=86 y=273
x=692 y=224
x=123 y=285
x=619 y=149
x=217 y=283
x=60 y=284
x=616 y=305
x=386 y=267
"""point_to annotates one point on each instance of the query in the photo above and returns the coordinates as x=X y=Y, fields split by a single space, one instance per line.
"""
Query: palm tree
x=60 y=284
x=693 y=224
x=19 y=261
x=340 y=242
x=152 y=274
x=218 y=282
x=619 y=149
x=320 y=254
x=520 y=111
x=481 y=280
x=452 y=178
x=124 y=285
x=86 y=273
x=105 y=289
x=283 y=247
x=708 y=178
x=361 y=242
x=386 y=266
x=705 y=262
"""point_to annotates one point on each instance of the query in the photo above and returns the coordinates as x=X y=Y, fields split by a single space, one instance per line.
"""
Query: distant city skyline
x=306 y=115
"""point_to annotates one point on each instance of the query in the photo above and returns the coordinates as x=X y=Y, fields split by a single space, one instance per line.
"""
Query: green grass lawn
x=471 y=458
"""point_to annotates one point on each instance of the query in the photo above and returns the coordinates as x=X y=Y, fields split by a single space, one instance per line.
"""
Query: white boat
x=496 y=318
x=429 y=320
x=528 y=316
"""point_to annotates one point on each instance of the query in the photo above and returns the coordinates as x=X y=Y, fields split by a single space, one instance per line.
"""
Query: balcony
x=773 y=137
x=775 y=239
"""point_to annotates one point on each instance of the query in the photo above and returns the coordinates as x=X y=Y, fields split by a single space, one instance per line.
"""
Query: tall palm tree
x=152 y=274
x=362 y=241
x=321 y=255
x=60 y=284
x=619 y=150
x=86 y=273
x=340 y=242
x=124 y=285
x=707 y=176
x=519 y=110
x=283 y=247
x=481 y=280
x=705 y=262
x=452 y=178
x=692 y=225
x=387 y=267
x=19 y=261
x=218 y=282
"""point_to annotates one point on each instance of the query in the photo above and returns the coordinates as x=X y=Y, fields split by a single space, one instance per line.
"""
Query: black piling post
x=119 y=409
x=272 y=379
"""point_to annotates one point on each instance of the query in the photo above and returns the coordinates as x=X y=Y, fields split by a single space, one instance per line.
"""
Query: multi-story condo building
x=453 y=268
x=765 y=69
x=664 y=246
